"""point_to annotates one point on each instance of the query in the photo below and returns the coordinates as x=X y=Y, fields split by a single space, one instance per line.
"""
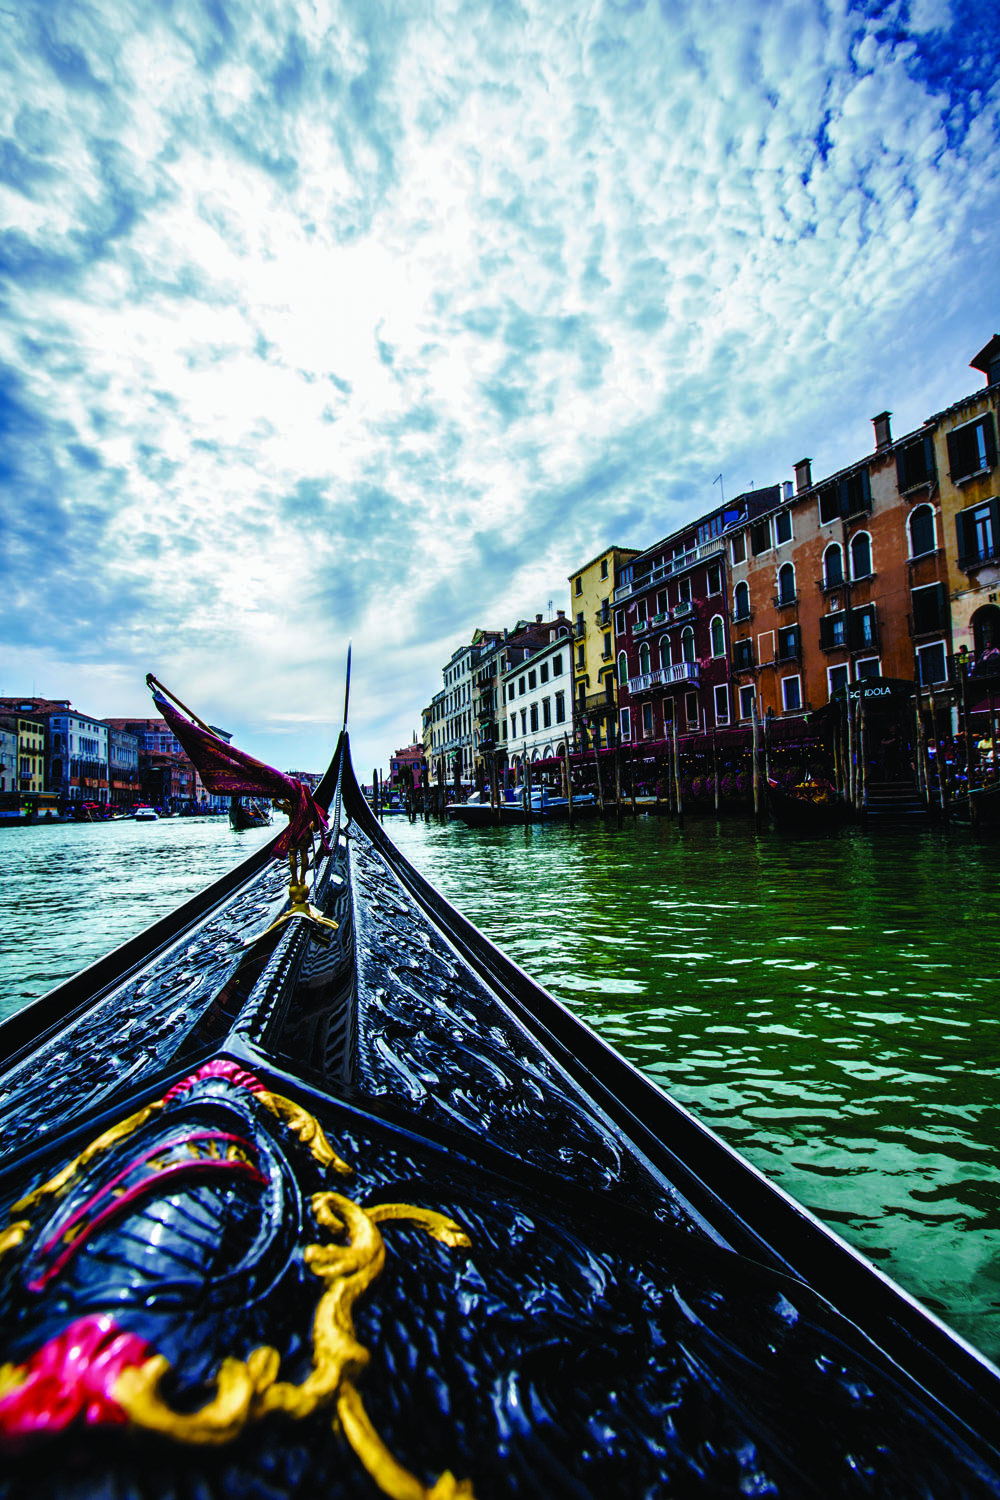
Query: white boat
x=146 y=815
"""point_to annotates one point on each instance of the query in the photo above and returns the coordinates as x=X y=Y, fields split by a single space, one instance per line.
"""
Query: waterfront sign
x=874 y=690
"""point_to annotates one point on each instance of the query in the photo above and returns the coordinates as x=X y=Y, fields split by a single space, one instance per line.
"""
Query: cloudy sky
x=367 y=320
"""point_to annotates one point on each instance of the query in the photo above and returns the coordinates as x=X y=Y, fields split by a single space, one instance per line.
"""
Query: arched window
x=985 y=633
x=622 y=667
x=741 y=601
x=665 y=652
x=644 y=659
x=861 y=555
x=786 y=584
x=921 y=530
x=687 y=644
x=718 y=636
x=833 y=565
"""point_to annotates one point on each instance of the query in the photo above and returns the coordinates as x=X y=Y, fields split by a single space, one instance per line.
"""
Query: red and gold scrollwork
x=102 y=1374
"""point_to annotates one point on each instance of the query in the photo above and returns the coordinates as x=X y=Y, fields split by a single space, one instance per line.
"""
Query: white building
x=78 y=751
x=536 y=698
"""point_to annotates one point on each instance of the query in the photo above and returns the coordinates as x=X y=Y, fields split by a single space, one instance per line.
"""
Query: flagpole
x=152 y=681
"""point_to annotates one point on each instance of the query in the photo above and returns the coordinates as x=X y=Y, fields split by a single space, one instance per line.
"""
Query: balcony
x=670 y=568
x=684 y=610
x=682 y=671
x=740 y=616
x=661 y=618
x=603 y=617
x=985 y=553
x=639 y=626
x=781 y=600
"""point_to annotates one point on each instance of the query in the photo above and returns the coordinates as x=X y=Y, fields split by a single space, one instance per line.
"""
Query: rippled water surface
x=830 y=1007
x=72 y=891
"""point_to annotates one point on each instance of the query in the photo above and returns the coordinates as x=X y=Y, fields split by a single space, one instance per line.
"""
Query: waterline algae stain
x=829 y=1007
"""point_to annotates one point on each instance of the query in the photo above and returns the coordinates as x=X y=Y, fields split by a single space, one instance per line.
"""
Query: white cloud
x=392 y=319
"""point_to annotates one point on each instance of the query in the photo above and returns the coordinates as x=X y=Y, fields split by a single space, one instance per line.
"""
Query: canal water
x=829 y=1006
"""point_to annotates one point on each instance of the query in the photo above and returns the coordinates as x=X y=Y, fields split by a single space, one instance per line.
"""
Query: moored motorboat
x=144 y=814
x=317 y=1192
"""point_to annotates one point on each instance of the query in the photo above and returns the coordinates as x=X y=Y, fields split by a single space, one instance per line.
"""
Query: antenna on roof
x=722 y=493
x=550 y=608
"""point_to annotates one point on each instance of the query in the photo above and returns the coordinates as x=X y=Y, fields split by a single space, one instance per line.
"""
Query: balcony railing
x=682 y=671
x=602 y=617
x=639 y=626
x=661 y=617
x=670 y=568
x=684 y=610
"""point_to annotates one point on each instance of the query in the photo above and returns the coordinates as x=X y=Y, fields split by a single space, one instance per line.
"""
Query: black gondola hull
x=574 y=1287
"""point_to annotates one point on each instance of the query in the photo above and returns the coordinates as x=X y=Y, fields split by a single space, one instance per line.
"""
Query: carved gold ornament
x=246 y=1390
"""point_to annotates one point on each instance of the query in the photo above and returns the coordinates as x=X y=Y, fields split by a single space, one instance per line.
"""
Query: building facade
x=537 y=695
x=594 y=648
x=965 y=449
x=672 y=628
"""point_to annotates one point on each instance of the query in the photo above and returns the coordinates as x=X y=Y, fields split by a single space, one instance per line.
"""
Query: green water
x=828 y=1006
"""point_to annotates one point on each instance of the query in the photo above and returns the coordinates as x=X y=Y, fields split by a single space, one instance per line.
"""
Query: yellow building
x=965 y=451
x=28 y=781
x=591 y=590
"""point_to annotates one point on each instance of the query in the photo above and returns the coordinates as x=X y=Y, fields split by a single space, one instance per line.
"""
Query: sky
x=370 y=322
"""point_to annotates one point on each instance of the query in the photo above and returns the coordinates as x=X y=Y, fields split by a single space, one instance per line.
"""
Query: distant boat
x=247 y=812
x=542 y=806
x=144 y=814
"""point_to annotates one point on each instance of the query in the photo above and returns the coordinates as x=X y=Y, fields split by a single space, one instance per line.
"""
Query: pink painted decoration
x=219 y=1067
x=73 y=1375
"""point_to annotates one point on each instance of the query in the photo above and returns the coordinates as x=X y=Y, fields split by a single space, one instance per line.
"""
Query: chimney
x=803 y=475
x=560 y=614
x=787 y=490
x=538 y=619
x=883 y=433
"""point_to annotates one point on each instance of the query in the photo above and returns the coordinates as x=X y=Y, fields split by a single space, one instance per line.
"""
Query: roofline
x=625 y=551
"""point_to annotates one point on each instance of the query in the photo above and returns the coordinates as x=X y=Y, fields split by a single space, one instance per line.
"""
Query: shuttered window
x=928 y=608
x=832 y=630
x=788 y=644
x=760 y=537
x=915 y=464
x=978 y=533
x=845 y=497
x=972 y=448
x=921 y=531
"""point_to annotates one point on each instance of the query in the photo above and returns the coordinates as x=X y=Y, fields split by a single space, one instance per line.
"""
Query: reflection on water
x=829 y=1006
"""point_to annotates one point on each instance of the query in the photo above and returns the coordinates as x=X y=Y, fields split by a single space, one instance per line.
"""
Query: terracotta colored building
x=408 y=763
x=841 y=581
